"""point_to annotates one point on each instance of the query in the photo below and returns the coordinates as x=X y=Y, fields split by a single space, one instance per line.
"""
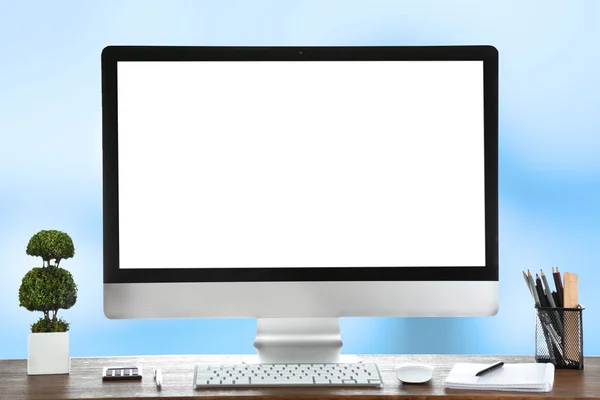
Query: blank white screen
x=301 y=164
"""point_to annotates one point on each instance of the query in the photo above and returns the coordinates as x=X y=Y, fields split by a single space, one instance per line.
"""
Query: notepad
x=520 y=377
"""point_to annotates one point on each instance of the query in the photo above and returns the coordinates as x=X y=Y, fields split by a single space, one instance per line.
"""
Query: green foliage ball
x=51 y=245
x=47 y=289
x=45 y=325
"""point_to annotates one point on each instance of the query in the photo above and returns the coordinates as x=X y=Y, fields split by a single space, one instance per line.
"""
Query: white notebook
x=522 y=377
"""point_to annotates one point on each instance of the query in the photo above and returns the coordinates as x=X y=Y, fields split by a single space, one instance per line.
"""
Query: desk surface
x=84 y=381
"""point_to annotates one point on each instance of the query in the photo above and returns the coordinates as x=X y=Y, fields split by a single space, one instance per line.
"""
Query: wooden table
x=84 y=381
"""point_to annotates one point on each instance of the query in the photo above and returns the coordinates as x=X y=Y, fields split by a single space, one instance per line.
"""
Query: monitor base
x=298 y=340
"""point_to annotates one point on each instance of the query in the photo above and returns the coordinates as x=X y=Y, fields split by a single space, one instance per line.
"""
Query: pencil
x=533 y=290
x=555 y=317
x=561 y=288
x=548 y=290
x=540 y=291
x=527 y=282
x=556 y=277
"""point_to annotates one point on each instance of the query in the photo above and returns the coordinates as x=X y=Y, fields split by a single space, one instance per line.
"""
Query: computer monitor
x=298 y=185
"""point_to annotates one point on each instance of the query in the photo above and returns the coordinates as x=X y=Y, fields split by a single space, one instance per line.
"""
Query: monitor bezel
x=111 y=55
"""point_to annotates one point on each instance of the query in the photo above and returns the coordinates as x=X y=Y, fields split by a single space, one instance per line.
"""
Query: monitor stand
x=299 y=340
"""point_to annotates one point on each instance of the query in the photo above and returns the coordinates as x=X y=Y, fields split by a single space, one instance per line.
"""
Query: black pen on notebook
x=491 y=368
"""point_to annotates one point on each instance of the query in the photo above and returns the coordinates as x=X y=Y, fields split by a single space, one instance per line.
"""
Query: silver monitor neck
x=298 y=340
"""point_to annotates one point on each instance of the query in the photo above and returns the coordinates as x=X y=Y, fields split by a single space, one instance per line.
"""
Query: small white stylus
x=158 y=377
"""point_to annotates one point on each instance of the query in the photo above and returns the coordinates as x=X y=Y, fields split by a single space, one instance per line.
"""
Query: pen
x=490 y=368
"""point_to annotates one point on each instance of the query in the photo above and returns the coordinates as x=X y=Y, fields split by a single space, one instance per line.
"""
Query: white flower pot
x=48 y=353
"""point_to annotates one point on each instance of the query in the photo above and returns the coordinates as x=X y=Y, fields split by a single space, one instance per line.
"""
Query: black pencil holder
x=559 y=337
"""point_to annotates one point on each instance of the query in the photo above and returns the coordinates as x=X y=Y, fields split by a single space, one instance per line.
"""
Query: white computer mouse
x=414 y=373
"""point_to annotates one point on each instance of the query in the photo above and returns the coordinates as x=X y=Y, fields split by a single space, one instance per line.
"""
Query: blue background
x=50 y=152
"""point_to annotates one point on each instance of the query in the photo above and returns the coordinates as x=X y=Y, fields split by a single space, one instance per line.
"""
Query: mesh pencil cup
x=559 y=336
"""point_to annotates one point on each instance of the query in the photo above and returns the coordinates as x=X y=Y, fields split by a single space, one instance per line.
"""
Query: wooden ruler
x=572 y=340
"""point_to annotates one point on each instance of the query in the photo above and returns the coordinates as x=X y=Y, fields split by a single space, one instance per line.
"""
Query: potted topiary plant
x=47 y=289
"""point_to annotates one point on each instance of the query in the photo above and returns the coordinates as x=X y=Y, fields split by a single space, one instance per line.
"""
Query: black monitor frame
x=111 y=55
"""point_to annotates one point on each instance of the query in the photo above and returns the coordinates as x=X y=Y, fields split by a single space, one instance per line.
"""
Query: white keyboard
x=291 y=375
